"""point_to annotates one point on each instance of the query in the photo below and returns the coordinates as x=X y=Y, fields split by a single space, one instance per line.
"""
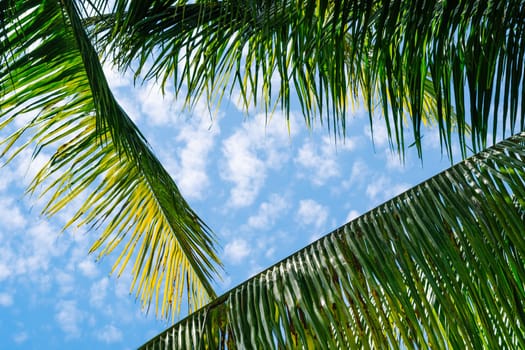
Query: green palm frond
x=50 y=71
x=440 y=266
x=467 y=55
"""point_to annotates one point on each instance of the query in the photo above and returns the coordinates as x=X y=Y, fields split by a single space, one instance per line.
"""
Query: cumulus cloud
x=394 y=161
x=249 y=153
x=98 y=292
x=359 y=175
x=10 y=215
x=69 y=317
x=42 y=244
x=236 y=250
x=352 y=214
x=88 y=267
x=159 y=109
x=109 y=334
x=65 y=281
x=321 y=160
x=197 y=137
x=268 y=212
x=311 y=213
x=6 y=299
x=4 y=271
x=21 y=337
x=382 y=188
x=28 y=165
x=379 y=135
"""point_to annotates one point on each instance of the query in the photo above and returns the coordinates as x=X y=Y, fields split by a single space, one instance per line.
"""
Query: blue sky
x=266 y=192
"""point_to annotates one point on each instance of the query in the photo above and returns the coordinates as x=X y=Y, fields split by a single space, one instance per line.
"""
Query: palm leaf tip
x=98 y=152
x=456 y=63
x=439 y=266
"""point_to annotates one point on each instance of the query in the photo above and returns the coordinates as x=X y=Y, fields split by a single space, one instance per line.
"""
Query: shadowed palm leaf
x=439 y=266
x=398 y=55
x=389 y=285
x=50 y=71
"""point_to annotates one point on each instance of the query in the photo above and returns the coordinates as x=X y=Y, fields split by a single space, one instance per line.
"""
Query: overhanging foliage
x=439 y=266
x=50 y=72
x=457 y=63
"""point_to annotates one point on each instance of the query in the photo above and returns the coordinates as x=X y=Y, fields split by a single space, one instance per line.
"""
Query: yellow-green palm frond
x=465 y=56
x=441 y=266
x=50 y=71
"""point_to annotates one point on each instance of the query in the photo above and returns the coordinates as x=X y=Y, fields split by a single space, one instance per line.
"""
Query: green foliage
x=458 y=63
x=51 y=72
x=441 y=266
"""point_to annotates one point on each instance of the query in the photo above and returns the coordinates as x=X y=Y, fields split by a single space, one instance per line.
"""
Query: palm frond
x=49 y=70
x=439 y=266
x=467 y=55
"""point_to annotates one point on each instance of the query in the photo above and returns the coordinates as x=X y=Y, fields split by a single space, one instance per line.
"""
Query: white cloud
x=43 y=245
x=269 y=212
x=98 y=292
x=155 y=105
x=6 y=299
x=4 y=271
x=109 y=334
x=123 y=283
x=69 y=317
x=312 y=213
x=238 y=100
x=27 y=166
x=379 y=136
x=237 y=250
x=244 y=169
x=21 y=337
x=198 y=137
x=352 y=214
x=88 y=267
x=249 y=153
x=10 y=214
x=66 y=282
x=359 y=175
x=322 y=160
x=394 y=161
x=116 y=79
x=382 y=188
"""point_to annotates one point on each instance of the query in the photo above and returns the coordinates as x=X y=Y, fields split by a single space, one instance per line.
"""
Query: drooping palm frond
x=467 y=54
x=440 y=266
x=50 y=71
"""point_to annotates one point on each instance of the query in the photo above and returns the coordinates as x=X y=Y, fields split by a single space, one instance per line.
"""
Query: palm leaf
x=439 y=266
x=466 y=56
x=50 y=71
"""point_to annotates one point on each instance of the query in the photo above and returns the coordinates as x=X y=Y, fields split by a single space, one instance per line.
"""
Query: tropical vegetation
x=439 y=266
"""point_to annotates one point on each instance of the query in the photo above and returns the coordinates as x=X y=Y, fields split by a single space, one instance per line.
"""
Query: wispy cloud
x=69 y=318
x=321 y=161
x=98 y=292
x=269 y=212
x=236 y=250
x=20 y=337
x=197 y=137
x=381 y=188
x=109 y=334
x=11 y=216
x=88 y=267
x=6 y=299
x=311 y=213
x=352 y=214
x=157 y=108
x=250 y=152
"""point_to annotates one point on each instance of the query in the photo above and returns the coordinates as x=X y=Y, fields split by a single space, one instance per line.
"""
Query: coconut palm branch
x=441 y=266
x=51 y=76
x=466 y=57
